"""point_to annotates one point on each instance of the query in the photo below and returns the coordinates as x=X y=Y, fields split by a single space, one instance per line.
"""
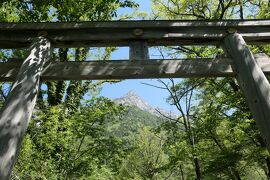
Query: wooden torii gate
x=138 y=35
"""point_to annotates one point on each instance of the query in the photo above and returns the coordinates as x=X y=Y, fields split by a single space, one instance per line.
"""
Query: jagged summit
x=132 y=94
x=133 y=99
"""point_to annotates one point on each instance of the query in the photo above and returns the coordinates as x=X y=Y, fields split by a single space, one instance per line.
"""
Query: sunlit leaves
x=68 y=10
x=71 y=146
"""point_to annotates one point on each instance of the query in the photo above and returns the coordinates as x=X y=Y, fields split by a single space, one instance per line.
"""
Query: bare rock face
x=132 y=99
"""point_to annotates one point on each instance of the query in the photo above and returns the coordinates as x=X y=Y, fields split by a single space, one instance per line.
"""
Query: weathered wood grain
x=138 y=50
x=120 y=33
x=124 y=69
x=252 y=81
x=17 y=109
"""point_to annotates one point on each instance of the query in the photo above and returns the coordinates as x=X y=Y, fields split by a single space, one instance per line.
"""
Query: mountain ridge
x=133 y=99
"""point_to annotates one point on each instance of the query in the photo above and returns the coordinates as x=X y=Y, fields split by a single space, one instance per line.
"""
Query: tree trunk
x=182 y=173
x=197 y=169
x=236 y=174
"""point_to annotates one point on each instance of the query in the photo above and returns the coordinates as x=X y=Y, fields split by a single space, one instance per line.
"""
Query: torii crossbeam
x=138 y=36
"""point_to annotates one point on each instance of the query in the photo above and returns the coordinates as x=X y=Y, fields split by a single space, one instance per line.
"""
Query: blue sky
x=154 y=96
x=145 y=5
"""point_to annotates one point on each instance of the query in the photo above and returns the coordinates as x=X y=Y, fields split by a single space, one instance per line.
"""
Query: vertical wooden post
x=252 y=81
x=138 y=50
x=17 y=109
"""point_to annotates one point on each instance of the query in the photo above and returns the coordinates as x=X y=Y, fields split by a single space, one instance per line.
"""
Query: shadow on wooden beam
x=124 y=69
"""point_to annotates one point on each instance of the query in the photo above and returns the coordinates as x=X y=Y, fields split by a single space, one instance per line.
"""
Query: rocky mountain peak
x=132 y=94
x=133 y=99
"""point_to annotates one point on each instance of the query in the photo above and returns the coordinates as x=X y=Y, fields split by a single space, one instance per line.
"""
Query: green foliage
x=146 y=161
x=134 y=120
x=215 y=136
x=62 y=11
x=210 y=9
x=70 y=146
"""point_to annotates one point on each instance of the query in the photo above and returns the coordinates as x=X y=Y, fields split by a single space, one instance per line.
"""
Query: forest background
x=73 y=137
